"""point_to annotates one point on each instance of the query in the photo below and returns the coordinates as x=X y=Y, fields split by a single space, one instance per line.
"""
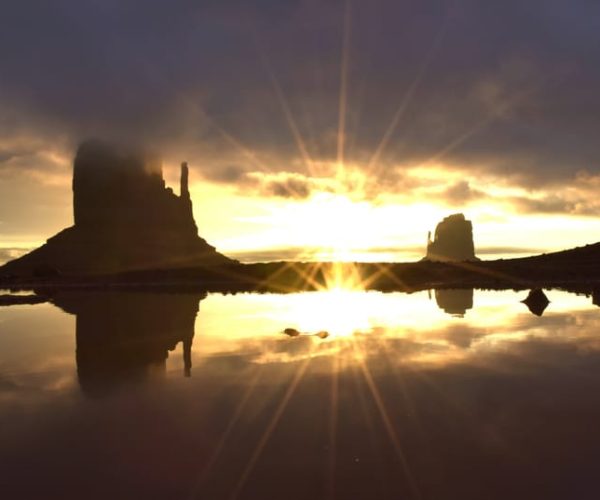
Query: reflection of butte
x=127 y=336
x=455 y=302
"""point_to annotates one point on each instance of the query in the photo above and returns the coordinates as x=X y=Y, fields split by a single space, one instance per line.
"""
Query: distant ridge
x=587 y=254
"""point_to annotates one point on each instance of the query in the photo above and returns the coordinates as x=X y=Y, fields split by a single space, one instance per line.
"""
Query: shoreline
x=562 y=271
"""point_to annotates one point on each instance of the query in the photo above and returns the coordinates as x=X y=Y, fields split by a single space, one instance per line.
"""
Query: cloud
x=377 y=253
x=461 y=192
x=227 y=85
x=576 y=199
x=291 y=186
x=281 y=185
x=268 y=255
x=508 y=250
x=228 y=174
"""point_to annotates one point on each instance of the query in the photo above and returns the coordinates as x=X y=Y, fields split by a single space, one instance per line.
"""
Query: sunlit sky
x=313 y=129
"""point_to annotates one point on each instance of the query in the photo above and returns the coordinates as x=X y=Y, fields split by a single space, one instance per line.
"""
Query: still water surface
x=452 y=394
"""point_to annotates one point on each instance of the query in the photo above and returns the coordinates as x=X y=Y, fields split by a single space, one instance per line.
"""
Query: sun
x=333 y=223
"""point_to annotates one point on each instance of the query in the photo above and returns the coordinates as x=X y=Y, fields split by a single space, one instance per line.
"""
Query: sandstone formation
x=125 y=219
x=453 y=240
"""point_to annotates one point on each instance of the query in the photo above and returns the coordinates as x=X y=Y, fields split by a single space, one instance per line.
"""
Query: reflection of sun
x=338 y=311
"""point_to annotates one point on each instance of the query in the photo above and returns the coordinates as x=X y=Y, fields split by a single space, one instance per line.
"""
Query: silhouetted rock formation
x=453 y=240
x=292 y=332
x=454 y=302
x=536 y=301
x=125 y=219
x=126 y=336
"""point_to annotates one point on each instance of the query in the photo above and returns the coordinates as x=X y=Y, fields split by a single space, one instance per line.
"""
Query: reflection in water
x=536 y=301
x=406 y=403
x=124 y=336
x=455 y=302
x=292 y=332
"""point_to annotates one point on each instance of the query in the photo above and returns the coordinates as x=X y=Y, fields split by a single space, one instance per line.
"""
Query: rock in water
x=453 y=240
x=125 y=219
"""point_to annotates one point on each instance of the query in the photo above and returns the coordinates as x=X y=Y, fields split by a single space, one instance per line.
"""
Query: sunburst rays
x=233 y=421
x=336 y=277
x=271 y=425
x=333 y=424
x=386 y=419
x=341 y=136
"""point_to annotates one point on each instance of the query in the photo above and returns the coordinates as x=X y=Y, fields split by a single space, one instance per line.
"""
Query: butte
x=125 y=219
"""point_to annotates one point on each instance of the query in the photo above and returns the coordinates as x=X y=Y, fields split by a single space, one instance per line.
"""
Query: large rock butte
x=125 y=219
x=453 y=240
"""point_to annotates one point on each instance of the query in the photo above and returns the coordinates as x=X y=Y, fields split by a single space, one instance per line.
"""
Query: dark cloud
x=282 y=185
x=509 y=88
x=461 y=192
x=557 y=204
x=229 y=174
x=291 y=187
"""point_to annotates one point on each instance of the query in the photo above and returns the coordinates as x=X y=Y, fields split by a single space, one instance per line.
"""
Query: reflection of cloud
x=462 y=335
x=455 y=341
x=51 y=377
x=493 y=396
x=497 y=410
x=7 y=254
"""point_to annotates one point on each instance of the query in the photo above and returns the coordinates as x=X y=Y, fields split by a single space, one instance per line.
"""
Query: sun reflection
x=412 y=328
x=340 y=312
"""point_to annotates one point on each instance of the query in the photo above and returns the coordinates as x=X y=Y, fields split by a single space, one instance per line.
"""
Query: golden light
x=340 y=312
x=335 y=223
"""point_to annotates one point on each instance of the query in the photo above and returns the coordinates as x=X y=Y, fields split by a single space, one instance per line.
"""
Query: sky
x=314 y=129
